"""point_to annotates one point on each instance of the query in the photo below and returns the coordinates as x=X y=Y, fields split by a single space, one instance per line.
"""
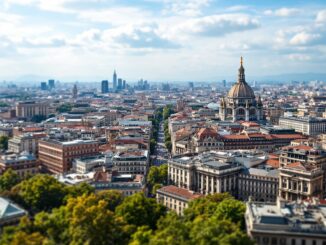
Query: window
x=293 y=242
x=303 y=242
x=274 y=241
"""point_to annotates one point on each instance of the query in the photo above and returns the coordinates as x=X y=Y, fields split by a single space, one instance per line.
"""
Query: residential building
x=299 y=182
x=206 y=173
x=27 y=142
x=175 y=198
x=306 y=125
x=286 y=223
x=258 y=184
x=23 y=164
x=29 y=109
x=57 y=156
x=131 y=162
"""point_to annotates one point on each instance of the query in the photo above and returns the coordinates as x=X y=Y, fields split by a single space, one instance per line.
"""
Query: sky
x=160 y=40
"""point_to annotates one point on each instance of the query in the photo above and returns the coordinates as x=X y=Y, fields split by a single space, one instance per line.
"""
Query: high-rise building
x=75 y=91
x=105 y=86
x=191 y=85
x=115 y=80
x=123 y=84
x=119 y=83
x=224 y=83
x=44 y=86
x=51 y=84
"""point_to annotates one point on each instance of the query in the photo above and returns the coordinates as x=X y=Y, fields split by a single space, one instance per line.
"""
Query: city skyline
x=192 y=40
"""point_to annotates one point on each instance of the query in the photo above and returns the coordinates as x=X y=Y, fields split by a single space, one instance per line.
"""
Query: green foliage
x=171 y=230
x=142 y=236
x=79 y=190
x=205 y=206
x=112 y=198
x=66 y=107
x=4 y=142
x=232 y=210
x=78 y=215
x=138 y=210
x=157 y=175
x=8 y=180
x=167 y=111
x=40 y=193
x=3 y=104
x=92 y=223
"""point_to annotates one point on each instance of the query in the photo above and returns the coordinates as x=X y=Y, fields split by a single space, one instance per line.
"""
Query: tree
x=40 y=193
x=112 y=198
x=215 y=231
x=79 y=190
x=67 y=107
x=233 y=210
x=158 y=175
x=8 y=180
x=205 y=206
x=171 y=229
x=139 y=211
x=4 y=142
x=142 y=236
x=92 y=223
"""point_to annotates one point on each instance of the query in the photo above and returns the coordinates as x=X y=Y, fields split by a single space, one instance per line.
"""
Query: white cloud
x=282 y=12
x=304 y=38
x=116 y=15
x=299 y=57
x=217 y=25
x=189 y=8
x=321 y=16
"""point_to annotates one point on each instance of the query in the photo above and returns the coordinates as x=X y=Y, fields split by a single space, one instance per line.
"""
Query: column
x=247 y=114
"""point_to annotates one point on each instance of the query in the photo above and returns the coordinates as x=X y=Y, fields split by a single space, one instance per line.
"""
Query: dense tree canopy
x=8 y=180
x=78 y=215
x=157 y=175
x=41 y=192
x=138 y=210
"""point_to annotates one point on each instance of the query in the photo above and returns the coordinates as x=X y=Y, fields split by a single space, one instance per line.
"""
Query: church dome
x=241 y=89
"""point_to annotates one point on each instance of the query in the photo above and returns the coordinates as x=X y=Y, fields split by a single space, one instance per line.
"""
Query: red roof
x=275 y=163
x=206 y=132
x=181 y=192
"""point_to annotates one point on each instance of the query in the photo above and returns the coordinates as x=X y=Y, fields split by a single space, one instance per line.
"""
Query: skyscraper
x=114 y=81
x=105 y=87
x=119 y=83
x=224 y=83
x=123 y=84
x=51 y=84
x=44 y=86
x=75 y=91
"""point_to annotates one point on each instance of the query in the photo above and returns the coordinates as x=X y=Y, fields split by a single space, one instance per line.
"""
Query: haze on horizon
x=160 y=39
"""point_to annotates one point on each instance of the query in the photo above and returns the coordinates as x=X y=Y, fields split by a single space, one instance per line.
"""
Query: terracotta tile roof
x=235 y=136
x=250 y=124
x=296 y=165
x=206 y=132
x=181 y=192
x=299 y=147
x=275 y=163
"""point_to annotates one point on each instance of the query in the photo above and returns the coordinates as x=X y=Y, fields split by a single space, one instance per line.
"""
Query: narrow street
x=161 y=154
